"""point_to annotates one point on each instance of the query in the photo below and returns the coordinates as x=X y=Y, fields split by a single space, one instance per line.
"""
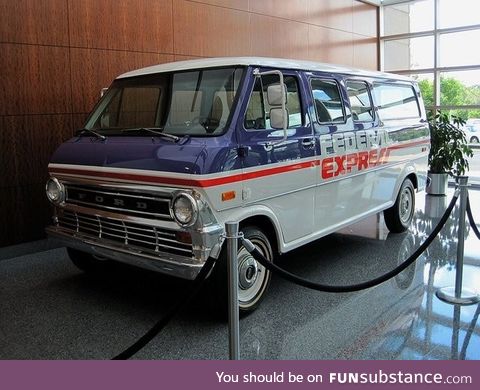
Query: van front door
x=279 y=172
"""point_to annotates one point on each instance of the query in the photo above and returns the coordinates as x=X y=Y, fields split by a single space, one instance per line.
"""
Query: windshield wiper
x=153 y=130
x=89 y=131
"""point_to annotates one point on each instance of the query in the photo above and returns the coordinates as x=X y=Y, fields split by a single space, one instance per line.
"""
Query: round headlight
x=55 y=191
x=185 y=210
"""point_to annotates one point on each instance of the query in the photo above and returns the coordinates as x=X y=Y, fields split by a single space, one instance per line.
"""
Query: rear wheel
x=400 y=215
x=253 y=278
x=474 y=140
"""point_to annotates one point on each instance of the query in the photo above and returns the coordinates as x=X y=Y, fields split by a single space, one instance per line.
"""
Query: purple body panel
x=195 y=156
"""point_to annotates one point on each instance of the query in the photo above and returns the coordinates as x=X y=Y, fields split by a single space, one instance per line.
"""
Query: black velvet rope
x=361 y=286
x=147 y=337
x=472 y=221
x=202 y=275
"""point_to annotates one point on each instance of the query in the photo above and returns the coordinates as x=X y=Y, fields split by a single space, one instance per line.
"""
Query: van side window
x=396 y=101
x=328 y=103
x=360 y=101
x=258 y=110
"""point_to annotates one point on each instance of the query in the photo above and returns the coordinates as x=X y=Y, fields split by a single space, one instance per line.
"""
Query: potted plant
x=448 y=153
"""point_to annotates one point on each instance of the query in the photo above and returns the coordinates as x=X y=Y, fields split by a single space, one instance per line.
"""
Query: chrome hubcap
x=251 y=275
x=406 y=205
x=247 y=271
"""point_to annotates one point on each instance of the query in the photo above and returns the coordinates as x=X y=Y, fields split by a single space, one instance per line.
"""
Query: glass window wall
x=456 y=13
x=408 y=18
x=435 y=42
x=409 y=53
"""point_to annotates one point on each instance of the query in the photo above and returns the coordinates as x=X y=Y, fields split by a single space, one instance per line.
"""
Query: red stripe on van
x=205 y=182
x=184 y=182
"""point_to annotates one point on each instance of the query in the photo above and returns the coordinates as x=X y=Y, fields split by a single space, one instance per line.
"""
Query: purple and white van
x=293 y=150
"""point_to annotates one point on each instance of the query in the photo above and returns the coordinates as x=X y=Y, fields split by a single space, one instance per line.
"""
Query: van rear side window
x=328 y=103
x=396 y=101
x=360 y=101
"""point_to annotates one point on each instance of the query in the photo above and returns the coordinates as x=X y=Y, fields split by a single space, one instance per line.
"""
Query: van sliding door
x=344 y=127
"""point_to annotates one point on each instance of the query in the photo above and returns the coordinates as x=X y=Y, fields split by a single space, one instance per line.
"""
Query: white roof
x=256 y=61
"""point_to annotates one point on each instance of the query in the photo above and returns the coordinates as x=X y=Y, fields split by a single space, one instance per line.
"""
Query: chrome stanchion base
x=466 y=297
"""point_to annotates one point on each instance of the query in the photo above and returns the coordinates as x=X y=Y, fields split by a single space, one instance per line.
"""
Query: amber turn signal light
x=229 y=195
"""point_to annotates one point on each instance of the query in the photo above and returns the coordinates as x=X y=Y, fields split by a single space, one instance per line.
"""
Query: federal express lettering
x=173 y=151
x=367 y=149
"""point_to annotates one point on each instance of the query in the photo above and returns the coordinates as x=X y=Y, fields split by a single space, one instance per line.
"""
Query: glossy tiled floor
x=49 y=310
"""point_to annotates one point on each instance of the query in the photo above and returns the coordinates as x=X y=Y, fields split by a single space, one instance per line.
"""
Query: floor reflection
x=449 y=331
x=399 y=319
x=442 y=330
x=376 y=323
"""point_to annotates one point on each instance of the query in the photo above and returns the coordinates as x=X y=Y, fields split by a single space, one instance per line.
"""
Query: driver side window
x=258 y=109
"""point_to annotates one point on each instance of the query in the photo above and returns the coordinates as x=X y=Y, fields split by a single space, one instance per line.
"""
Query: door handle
x=308 y=143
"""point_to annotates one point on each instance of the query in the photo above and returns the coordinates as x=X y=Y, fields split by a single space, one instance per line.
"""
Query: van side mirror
x=277 y=98
x=275 y=95
x=278 y=118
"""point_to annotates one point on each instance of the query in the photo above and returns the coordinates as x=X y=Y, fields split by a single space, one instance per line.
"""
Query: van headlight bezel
x=184 y=209
x=55 y=191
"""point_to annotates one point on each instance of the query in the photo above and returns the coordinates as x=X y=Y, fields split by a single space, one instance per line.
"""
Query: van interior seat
x=322 y=112
x=218 y=115
x=216 y=112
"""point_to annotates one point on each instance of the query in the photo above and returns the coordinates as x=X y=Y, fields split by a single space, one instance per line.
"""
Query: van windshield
x=196 y=102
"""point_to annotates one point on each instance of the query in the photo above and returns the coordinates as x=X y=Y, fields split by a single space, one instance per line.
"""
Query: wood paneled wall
x=56 y=55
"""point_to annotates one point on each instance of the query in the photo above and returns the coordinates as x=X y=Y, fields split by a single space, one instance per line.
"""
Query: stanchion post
x=231 y=230
x=459 y=294
x=462 y=183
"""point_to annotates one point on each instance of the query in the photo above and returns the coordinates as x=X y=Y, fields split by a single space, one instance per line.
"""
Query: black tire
x=474 y=140
x=253 y=278
x=400 y=215
x=87 y=262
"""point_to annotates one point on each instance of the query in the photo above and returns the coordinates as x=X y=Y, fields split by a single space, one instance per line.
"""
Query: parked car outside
x=472 y=130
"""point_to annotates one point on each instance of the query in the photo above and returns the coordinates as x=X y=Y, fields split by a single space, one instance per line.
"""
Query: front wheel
x=253 y=278
x=400 y=215
x=474 y=140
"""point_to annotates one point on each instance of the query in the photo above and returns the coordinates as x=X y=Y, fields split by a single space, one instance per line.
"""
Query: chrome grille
x=131 y=234
x=139 y=204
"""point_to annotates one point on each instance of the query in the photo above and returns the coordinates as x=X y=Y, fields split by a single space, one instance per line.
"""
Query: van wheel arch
x=413 y=178
x=267 y=226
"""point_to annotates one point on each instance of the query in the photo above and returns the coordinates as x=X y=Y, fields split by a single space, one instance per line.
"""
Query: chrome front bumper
x=133 y=236
x=166 y=263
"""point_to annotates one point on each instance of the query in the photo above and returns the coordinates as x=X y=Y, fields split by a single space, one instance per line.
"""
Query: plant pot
x=438 y=183
x=435 y=206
